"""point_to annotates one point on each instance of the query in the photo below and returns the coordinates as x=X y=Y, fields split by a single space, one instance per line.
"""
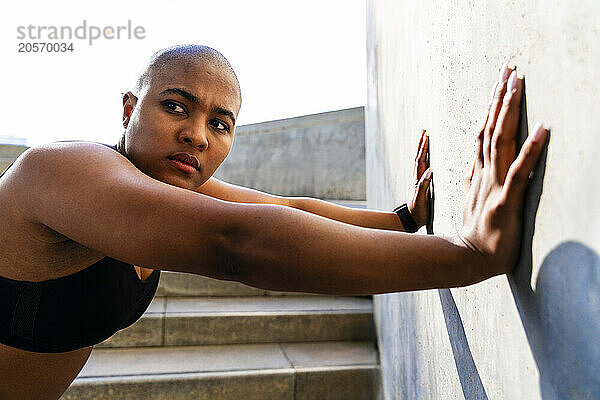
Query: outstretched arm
x=360 y=217
x=279 y=248
x=283 y=250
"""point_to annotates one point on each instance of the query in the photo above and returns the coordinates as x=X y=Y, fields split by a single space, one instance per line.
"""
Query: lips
x=185 y=158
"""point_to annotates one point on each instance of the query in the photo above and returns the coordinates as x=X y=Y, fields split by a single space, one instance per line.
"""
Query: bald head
x=184 y=55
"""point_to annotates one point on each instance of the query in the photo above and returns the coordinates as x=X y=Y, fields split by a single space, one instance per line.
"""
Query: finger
x=466 y=184
x=518 y=173
x=493 y=114
x=478 y=161
x=469 y=178
x=424 y=185
x=420 y=147
x=421 y=139
x=503 y=147
x=416 y=175
x=422 y=157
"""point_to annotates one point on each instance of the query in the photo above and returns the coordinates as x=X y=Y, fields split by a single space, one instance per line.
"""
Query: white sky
x=291 y=57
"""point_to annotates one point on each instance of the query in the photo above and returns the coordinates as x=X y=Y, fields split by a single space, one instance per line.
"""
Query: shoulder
x=65 y=151
x=48 y=156
x=58 y=167
x=34 y=173
x=62 y=152
x=56 y=161
x=94 y=196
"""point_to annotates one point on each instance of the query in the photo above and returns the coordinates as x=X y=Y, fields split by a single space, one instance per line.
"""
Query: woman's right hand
x=492 y=218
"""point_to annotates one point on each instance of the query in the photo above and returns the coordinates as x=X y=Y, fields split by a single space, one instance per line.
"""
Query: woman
x=78 y=217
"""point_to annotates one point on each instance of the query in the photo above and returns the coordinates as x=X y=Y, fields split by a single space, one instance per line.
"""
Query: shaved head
x=183 y=55
x=186 y=94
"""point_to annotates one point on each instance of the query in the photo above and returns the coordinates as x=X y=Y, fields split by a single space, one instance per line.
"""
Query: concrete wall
x=536 y=333
x=320 y=155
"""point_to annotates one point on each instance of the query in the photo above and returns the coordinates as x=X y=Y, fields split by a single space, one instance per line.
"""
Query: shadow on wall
x=469 y=378
x=562 y=321
x=562 y=316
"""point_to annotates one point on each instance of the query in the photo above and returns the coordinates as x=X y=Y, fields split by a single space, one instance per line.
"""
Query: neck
x=121 y=146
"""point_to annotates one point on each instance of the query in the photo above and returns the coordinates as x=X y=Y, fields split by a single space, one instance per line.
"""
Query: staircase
x=203 y=338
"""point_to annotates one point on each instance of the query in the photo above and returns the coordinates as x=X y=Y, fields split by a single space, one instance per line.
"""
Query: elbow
x=231 y=267
x=228 y=256
x=246 y=248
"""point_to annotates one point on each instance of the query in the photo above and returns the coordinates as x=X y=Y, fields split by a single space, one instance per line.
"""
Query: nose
x=195 y=136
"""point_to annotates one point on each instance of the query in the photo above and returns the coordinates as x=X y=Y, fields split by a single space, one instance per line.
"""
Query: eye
x=174 y=107
x=219 y=125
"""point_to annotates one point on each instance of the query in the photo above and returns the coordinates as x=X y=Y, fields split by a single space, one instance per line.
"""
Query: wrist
x=406 y=218
x=415 y=215
x=478 y=263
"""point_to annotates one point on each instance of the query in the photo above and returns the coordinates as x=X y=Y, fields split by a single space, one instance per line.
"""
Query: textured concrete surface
x=181 y=321
x=260 y=320
x=335 y=384
x=325 y=371
x=308 y=355
x=183 y=359
x=146 y=331
x=253 y=385
x=320 y=155
x=535 y=333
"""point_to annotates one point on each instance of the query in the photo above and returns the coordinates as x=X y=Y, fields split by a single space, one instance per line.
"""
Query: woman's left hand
x=419 y=200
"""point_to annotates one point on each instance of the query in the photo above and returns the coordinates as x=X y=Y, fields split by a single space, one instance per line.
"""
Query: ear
x=129 y=102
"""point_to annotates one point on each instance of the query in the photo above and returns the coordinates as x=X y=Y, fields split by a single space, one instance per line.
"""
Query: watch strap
x=406 y=218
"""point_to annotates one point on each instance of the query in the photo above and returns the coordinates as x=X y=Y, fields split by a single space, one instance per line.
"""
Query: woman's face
x=188 y=111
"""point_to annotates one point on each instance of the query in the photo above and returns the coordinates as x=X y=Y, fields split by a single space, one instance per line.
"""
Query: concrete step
x=290 y=371
x=185 y=321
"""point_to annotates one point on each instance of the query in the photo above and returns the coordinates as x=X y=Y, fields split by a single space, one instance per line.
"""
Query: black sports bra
x=74 y=311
